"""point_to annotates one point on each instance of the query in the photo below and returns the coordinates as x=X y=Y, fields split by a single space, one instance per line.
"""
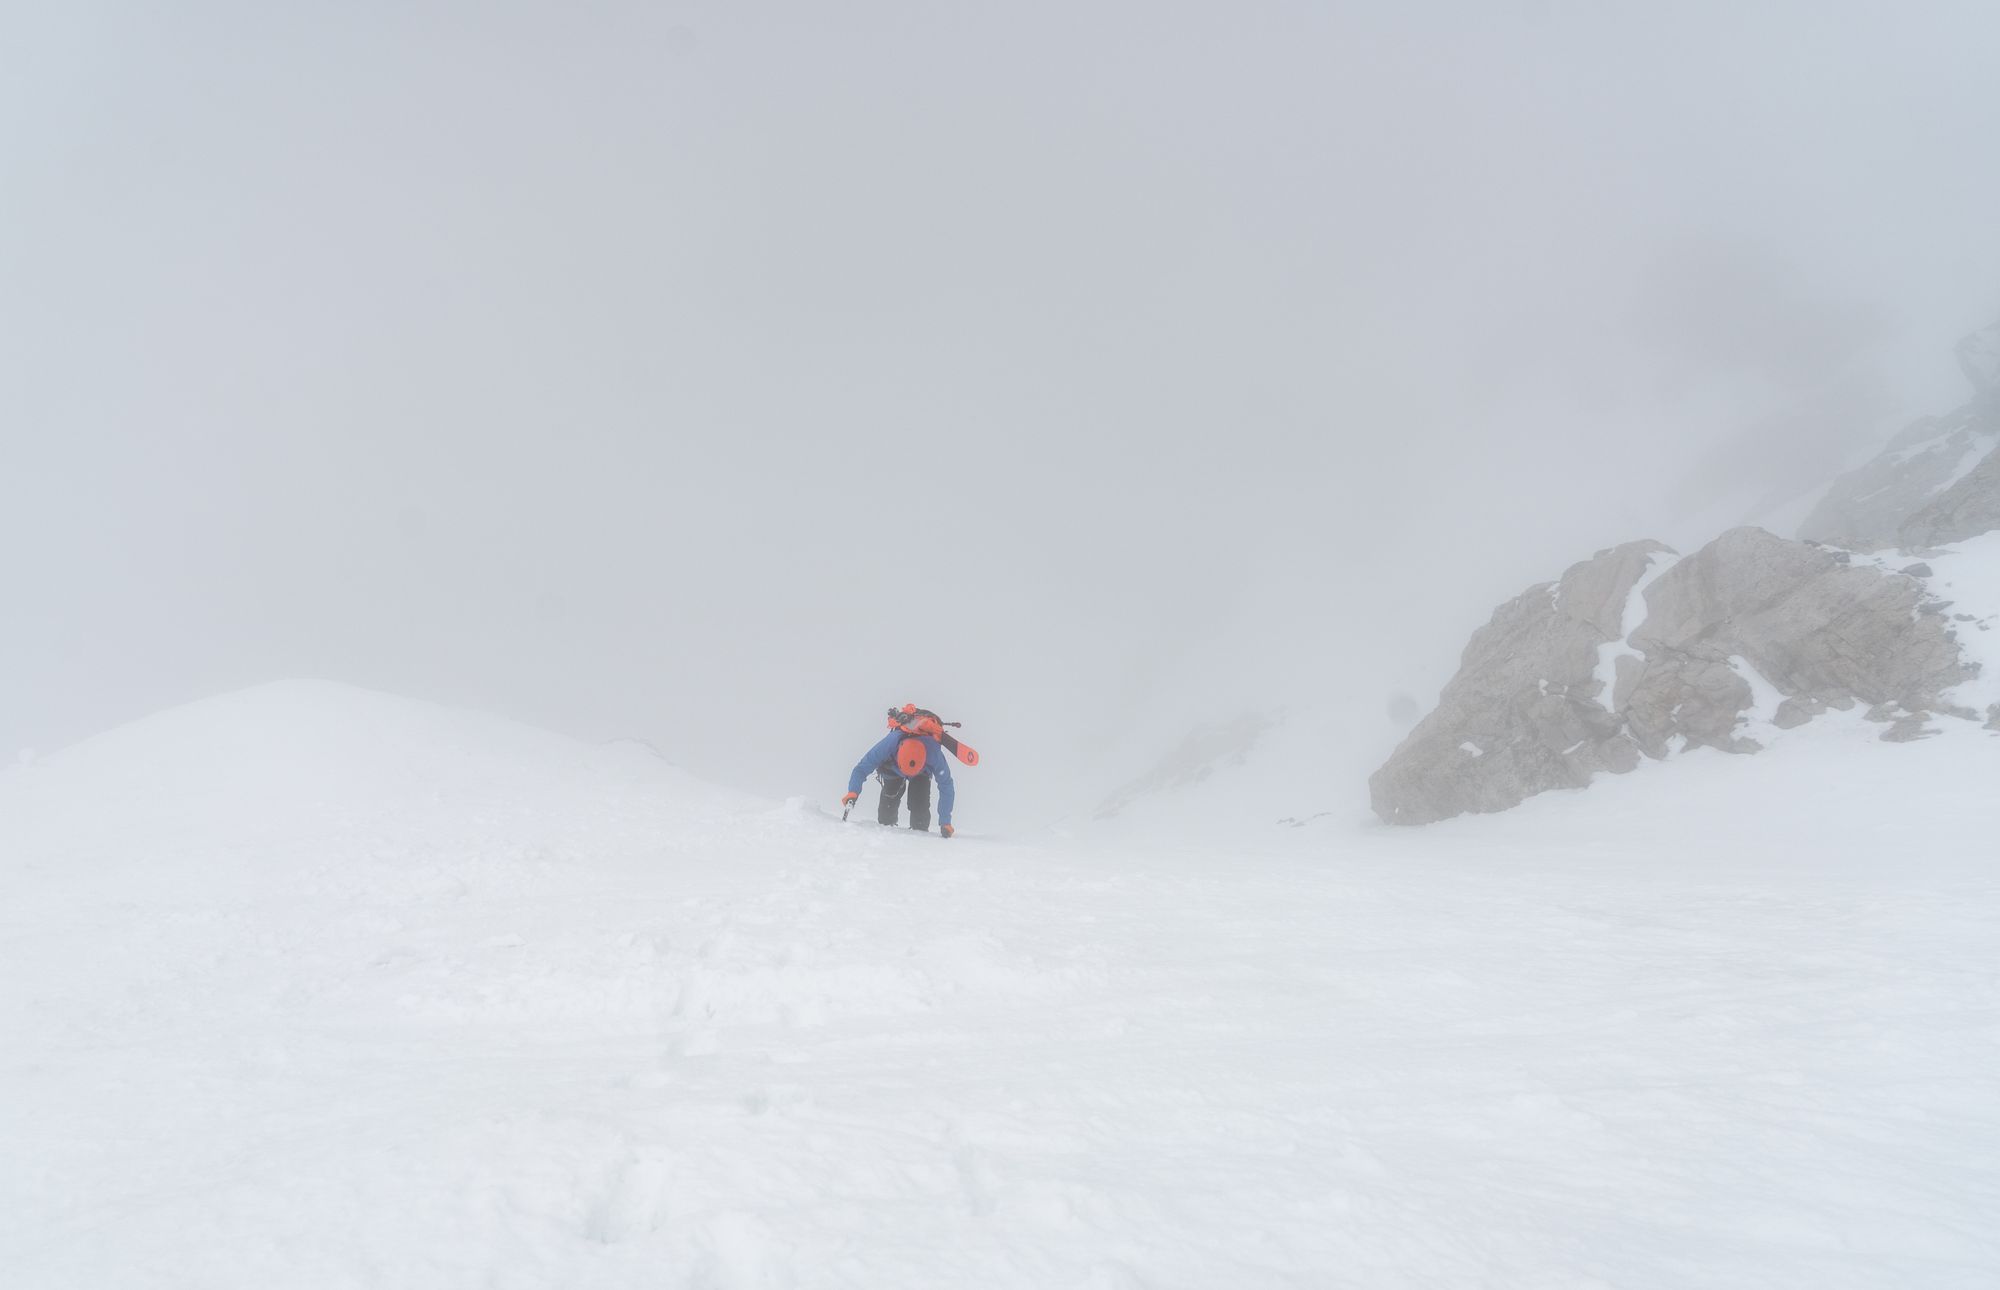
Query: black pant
x=892 y=797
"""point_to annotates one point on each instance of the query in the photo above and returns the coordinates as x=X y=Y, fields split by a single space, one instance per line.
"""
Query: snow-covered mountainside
x=307 y=986
x=1930 y=484
x=1638 y=652
x=1869 y=508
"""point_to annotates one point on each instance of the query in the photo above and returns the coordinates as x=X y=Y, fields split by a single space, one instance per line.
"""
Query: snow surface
x=1968 y=575
x=312 y=987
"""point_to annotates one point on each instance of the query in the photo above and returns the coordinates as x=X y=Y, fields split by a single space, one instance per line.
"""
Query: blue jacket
x=937 y=765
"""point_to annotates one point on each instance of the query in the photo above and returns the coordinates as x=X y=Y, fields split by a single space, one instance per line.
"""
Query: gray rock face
x=1968 y=508
x=1921 y=479
x=1634 y=654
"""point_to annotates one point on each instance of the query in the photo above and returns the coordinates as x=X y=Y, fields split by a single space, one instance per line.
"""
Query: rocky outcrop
x=1524 y=713
x=1813 y=627
x=1636 y=653
x=1639 y=654
x=1916 y=488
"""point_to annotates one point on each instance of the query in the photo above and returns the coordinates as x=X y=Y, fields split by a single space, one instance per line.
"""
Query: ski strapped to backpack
x=913 y=720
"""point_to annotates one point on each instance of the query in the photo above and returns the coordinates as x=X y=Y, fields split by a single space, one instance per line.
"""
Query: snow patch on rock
x=1609 y=653
x=1758 y=721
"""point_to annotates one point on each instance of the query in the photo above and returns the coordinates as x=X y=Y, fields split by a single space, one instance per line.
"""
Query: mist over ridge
x=716 y=376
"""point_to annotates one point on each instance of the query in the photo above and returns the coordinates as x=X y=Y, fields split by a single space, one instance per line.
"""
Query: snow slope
x=310 y=987
x=1967 y=575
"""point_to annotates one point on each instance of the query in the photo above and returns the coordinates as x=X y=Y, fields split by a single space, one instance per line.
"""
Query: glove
x=946 y=829
x=850 y=799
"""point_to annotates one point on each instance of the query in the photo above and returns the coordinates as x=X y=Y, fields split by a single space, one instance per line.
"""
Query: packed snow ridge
x=308 y=986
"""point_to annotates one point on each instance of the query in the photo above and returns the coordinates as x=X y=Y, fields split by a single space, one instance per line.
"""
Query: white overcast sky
x=719 y=373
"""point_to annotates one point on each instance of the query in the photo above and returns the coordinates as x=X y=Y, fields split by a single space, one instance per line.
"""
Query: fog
x=717 y=375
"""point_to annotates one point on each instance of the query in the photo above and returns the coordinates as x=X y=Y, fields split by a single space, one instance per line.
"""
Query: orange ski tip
x=910 y=757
